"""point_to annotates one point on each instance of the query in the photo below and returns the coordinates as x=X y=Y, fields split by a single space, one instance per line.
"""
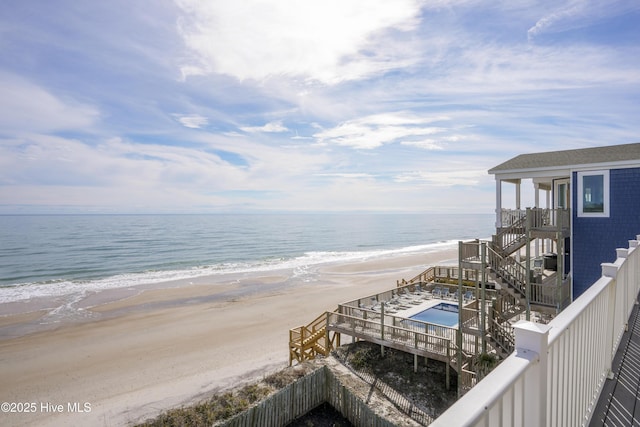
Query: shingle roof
x=584 y=156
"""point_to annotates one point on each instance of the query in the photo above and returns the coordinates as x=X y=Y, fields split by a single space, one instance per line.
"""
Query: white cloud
x=351 y=175
x=272 y=127
x=194 y=121
x=427 y=144
x=578 y=14
x=27 y=107
x=465 y=92
x=379 y=129
x=455 y=176
x=119 y=174
x=324 y=40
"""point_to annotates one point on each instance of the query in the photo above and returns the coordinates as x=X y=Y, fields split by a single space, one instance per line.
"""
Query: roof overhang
x=551 y=173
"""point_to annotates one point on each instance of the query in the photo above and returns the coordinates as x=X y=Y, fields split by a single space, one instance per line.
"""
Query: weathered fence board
x=304 y=395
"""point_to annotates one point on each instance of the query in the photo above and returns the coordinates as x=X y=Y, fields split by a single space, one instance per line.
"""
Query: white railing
x=540 y=217
x=508 y=217
x=555 y=376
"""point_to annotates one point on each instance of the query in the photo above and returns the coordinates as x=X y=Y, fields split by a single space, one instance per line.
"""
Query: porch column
x=518 y=194
x=498 y=203
x=536 y=186
x=548 y=247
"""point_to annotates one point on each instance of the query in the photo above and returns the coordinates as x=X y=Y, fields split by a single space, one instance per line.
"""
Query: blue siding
x=595 y=239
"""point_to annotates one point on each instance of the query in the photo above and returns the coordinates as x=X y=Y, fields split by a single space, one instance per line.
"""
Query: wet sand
x=123 y=356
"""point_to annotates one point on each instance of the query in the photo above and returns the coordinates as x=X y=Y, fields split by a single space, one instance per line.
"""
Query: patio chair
x=445 y=293
x=389 y=308
x=427 y=294
x=414 y=301
x=437 y=292
x=468 y=296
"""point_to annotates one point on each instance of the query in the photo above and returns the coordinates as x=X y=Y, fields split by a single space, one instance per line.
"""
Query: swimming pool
x=442 y=314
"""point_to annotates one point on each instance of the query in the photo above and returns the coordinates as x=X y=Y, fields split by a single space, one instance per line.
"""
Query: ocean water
x=49 y=256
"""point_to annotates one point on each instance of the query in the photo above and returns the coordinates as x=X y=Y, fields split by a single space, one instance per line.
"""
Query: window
x=593 y=194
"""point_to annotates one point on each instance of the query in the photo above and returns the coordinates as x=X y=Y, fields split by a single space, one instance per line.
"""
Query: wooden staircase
x=307 y=342
x=510 y=239
x=505 y=270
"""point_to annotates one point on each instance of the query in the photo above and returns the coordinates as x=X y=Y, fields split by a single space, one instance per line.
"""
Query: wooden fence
x=418 y=413
x=302 y=396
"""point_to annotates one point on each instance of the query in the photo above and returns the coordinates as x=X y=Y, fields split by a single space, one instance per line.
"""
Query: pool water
x=442 y=314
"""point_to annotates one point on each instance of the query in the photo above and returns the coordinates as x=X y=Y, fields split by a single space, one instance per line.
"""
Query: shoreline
x=134 y=356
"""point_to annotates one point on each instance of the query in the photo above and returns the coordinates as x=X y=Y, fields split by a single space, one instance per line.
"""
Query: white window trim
x=605 y=196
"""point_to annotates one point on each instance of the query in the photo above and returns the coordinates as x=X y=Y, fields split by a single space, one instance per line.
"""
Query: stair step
x=313 y=338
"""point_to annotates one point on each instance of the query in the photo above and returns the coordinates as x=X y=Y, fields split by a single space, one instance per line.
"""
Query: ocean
x=56 y=255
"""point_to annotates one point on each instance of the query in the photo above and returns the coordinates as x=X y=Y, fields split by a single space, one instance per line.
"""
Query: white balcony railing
x=555 y=376
x=539 y=218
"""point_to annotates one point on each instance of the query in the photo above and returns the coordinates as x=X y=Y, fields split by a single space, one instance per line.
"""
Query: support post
x=415 y=355
x=528 y=264
x=559 y=269
x=382 y=328
x=498 y=203
x=327 y=341
x=532 y=342
x=448 y=380
x=483 y=308
x=459 y=331
x=353 y=325
x=610 y=270
x=537 y=206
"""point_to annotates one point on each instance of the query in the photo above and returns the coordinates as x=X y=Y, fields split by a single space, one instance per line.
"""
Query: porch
x=529 y=256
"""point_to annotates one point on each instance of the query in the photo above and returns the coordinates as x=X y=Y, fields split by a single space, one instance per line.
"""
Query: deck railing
x=509 y=236
x=510 y=270
x=501 y=331
x=392 y=331
x=440 y=274
x=426 y=276
x=511 y=216
x=540 y=217
x=558 y=370
x=514 y=273
x=305 y=342
x=549 y=219
x=551 y=294
x=412 y=336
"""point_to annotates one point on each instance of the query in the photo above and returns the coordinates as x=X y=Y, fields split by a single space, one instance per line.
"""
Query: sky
x=192 y=106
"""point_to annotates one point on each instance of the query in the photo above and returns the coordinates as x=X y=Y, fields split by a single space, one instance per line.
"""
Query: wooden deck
x=388 y=323
x=619 y=403
x=384 y=319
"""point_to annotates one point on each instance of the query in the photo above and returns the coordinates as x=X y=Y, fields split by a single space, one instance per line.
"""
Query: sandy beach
x=135 y=352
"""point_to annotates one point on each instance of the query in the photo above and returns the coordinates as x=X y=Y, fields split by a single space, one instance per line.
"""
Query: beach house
x=587 y=204
x=550 y=295
x=575 y=370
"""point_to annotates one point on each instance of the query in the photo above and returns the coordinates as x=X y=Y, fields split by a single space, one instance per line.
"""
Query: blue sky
x=191 y=106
